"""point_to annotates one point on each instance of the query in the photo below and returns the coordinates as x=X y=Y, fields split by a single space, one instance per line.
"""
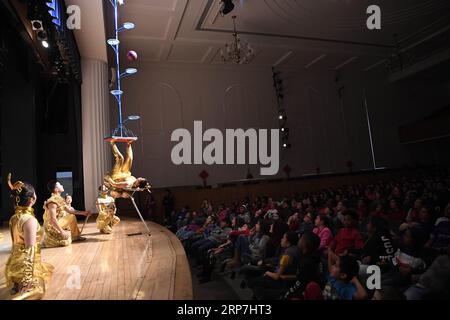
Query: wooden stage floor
x=122 y=266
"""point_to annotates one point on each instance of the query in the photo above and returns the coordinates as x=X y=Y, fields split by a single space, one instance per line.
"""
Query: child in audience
x=307 y=225
x=348 y=239
x=379 y=247
x=410 y=259
x=309 y=273
x=322 y=230
x=271 y=285
x=440 y=237
x=343 y=283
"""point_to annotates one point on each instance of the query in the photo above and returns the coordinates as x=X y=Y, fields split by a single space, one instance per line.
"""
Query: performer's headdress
x=16 y=188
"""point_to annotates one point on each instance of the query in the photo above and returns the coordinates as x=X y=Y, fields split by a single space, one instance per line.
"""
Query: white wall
x=324 y=132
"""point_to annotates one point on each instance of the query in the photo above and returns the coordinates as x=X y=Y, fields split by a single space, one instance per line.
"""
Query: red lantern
x=287 y=170
x=350 y=165
x=204 y=175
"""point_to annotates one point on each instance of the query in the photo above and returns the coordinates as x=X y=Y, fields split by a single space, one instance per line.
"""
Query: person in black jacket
x=309 y=269
x=379 y=248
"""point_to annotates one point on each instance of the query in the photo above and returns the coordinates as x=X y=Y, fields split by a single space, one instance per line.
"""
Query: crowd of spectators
x=388 y=240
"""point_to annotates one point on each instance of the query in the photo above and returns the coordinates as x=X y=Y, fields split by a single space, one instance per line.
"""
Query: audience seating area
x=386 y=239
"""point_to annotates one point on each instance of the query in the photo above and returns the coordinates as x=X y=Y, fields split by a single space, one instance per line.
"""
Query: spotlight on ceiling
x=42 y=37
x=227 y=7
x=37 y=25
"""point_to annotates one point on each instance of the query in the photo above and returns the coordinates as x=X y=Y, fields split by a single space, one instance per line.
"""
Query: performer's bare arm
x=29 y=231
x=78 y=213
x=54 y=221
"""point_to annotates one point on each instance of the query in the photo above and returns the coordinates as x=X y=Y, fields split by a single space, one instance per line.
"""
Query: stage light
x=227 y=7
x=121 y=2
x=45 y=44
x=37 y=25
x=42 y=35
x=284 y=130
x=287 y=145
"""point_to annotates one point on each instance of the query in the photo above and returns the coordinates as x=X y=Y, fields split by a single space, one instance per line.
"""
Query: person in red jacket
x=348 y=240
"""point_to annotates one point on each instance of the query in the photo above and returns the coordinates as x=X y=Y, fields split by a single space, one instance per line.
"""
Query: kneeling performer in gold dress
x=60 y=222
x=25 y=271
x=106 y=207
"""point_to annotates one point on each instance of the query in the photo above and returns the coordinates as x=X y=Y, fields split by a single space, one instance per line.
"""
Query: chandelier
x=235 y=52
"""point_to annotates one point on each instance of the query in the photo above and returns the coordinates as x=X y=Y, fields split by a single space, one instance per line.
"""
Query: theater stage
x=122 y=266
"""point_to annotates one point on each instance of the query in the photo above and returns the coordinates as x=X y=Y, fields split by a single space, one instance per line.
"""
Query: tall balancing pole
x=120 y=182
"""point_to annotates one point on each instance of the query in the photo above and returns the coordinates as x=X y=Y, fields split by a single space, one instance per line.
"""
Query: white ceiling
x=326 y=34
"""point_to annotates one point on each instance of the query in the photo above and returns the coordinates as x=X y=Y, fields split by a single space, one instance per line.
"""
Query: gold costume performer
x=120 y=181
x=66 y=220
x=106 y=206
x=25 y=271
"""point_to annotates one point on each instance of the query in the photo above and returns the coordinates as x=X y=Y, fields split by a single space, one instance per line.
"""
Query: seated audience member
x=308 y=279
x=244 y=214
x=388 y=293
x=285 y=211
x=277 y=230
x=215 y=238
x=422 y=221
x=379 y=248
x=186 y=232
x=293 y=222
x=343 y=283
x=440 y=237
x=273 y=251
x=396 y=216
x=182 y=218
x=348 y=239
x=272 y=214
x=361 y=209
x=239 y=228
x=413 y=213
x=203 y=232
x=222 y=212
x=409 y=259
x=433 y=283
x=324 y=233
x=379 y=211
x=338 y=220
x=251 y=248
x=273 y=283
x=307 y=225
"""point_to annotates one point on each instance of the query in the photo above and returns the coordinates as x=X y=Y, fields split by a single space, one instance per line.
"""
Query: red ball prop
x=132 y=55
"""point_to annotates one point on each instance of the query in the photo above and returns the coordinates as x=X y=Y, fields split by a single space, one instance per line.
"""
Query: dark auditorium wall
x=327 y=116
